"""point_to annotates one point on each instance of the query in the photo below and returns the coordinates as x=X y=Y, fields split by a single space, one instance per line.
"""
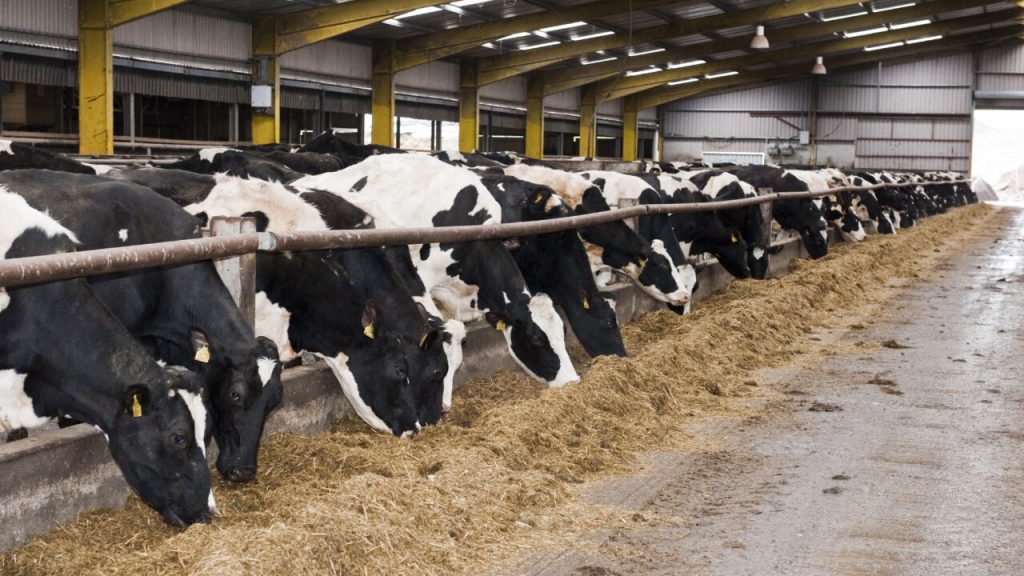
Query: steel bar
x=53 y=267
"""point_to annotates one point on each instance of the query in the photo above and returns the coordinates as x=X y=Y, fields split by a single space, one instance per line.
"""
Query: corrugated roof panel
x=59 y=17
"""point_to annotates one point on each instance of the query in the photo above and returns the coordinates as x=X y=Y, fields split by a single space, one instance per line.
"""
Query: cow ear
x=499 y=320
x=369 y=321
x=430 y=339
x=267 y=348
x=200 y=345
x=136 y=400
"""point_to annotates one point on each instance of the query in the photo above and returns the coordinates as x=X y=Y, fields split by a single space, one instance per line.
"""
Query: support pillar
x=95 y=78
x=266 y=122
x=630 y=135
x=588 y=122
x=469 y=106
x=535 y=116
x=382 y=131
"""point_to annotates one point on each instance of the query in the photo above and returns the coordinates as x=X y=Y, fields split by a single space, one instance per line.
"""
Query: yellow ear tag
x=643 y=262
x=203 y=354
x=586 y=303
x=424 y=339
x=136 y=407
x=538 y=198
x=368 y=331
x=500 y=326
x=733 y=238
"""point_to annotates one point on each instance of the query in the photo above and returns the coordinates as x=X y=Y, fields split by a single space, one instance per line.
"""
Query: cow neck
x=378 y=282
x=488 y=265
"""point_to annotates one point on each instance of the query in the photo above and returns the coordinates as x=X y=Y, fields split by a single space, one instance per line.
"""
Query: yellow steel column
x=382 y=99
x=535 y=116
x=469 y=106
x=629 y=129
x=266 y=123
x=588 y=122
x=95 y=78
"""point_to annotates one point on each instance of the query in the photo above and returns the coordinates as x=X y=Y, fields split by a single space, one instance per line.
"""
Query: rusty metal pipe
x=52 y=267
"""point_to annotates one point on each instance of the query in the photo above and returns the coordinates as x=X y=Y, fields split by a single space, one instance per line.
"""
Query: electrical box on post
x=805 y=137
x=262 y=96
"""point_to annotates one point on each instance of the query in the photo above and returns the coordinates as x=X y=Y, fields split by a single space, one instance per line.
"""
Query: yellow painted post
x=266 y=123
x=382 y=100
x=630 y=122
x=469 y=106
x=95 y=78
x=588 y=122
x=535 y=116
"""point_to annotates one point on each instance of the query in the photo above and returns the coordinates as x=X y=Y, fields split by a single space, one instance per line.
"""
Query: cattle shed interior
x=720 y=287
x=666 y=80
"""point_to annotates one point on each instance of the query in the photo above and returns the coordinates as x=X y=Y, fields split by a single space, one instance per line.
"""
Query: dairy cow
x=717 y=185
x=308 y=301
x=835 y=209
x=236 y=163
x=556 y=263
x=612 y=246
x=182 y=314
x=16 y=156
x=62 y=353
x=468 y=280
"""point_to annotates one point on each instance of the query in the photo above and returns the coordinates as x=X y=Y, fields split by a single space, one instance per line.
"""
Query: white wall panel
x=510 y=90
x=950 y=71
x=839 y=155
x=59 y=17
x=847 y=99
x=837 y=127
x=1006 y=58
x=793 y=96
x=611 y=108
x=331 y=58
x=190 y=33
x=567 y=100
x=925 y=100
x=433 y=77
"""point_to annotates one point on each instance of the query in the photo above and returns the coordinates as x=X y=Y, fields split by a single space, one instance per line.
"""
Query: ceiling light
x=687 y=64
x=419 y=12
x=646 y=52
x=910 y=24
x=684 y=81
x=882 y=46
x=464 y=3
x=759 y=41
x=925 y=39
x=598 y=61
x=819 y=67
x=721 y=74
x=594 y=35
x=858 y=33
x=843 y=16
x=643 y=71
x=563 y=26
x=514 y=36
x=541 y=45
x=896 y=7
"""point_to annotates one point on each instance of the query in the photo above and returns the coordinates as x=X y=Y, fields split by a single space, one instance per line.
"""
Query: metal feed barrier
x=51 y=267
x=54 y=475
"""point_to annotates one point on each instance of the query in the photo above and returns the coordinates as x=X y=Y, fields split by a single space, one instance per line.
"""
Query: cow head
x=536 y=337
x=655 y=274
x=157 y=440
x=810 y=223
x=241 y=397
x=428 y=369
x=592 y=316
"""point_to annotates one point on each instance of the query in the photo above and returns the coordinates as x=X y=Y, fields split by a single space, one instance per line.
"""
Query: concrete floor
x=886 y=460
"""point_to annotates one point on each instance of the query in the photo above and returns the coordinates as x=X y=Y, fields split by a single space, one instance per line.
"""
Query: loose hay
x=497 y=478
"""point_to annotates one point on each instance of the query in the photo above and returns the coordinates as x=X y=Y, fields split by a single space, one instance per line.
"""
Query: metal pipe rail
x=53 y=267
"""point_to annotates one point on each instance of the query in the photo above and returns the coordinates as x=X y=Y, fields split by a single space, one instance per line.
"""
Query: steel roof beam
x=422 y=49
x=666 y=94
x=622 y=86
x=568 y=79
x=496 y=68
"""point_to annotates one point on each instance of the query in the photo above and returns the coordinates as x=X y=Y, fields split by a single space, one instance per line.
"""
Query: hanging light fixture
x=760 y=41
x=819 y=67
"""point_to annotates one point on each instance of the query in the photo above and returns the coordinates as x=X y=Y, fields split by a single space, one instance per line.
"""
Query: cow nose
x=241 y=473
x=204 y=517
x=171 y=517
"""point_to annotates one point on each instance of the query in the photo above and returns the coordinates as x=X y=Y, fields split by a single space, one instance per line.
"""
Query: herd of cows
x=161 y=360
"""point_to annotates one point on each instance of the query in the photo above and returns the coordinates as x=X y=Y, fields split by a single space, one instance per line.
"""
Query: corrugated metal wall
x=907 y=116
x=182 y=32
x=57 y=17
x=1002 y=68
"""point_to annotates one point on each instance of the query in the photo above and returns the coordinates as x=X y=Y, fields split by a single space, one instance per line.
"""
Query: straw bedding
x=500 y=476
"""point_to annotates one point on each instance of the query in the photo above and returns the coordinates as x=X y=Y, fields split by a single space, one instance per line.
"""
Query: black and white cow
x=330 y=143
x=556 y=263
x=62 y=353
x=618 y=188
x=700 y=232
x=803 y=215
x=717 y=185
x=613 y=246
x=182 y=314
x=17 y=156
x=308 y=301
x=868 y=208
x=835 y=209
x=471 y=160
x=236 y=163
x=468 y=280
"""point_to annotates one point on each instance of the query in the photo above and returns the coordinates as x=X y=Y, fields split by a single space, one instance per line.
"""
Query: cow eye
x=235 y=396
x=179 y=439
